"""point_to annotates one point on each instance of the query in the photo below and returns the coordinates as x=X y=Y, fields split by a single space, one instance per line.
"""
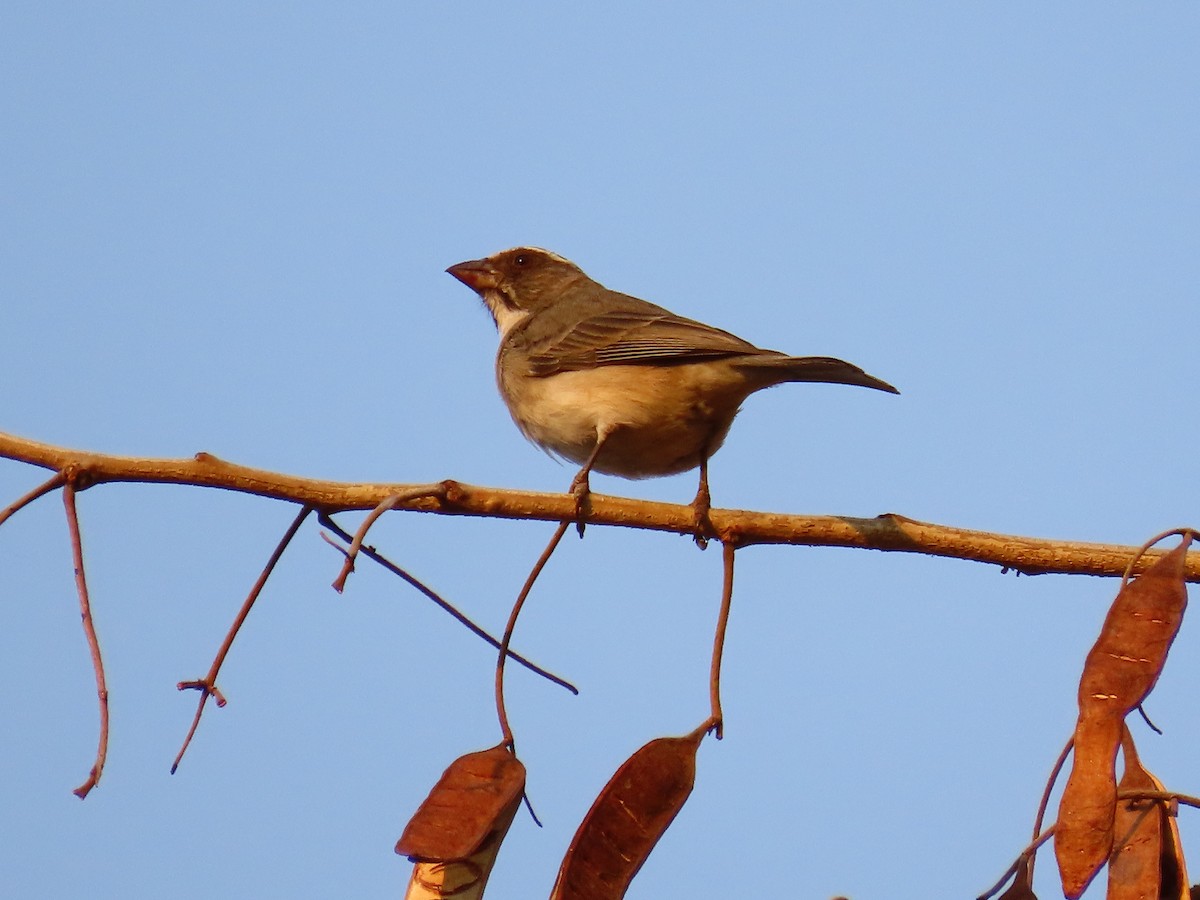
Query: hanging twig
x=1027 y=852
x=728 y=550
x=208 y=685
x=1044 y=804
x=501 y=713
x=89 y=630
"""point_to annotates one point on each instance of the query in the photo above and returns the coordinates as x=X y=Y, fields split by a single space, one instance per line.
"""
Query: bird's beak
x=477 y=274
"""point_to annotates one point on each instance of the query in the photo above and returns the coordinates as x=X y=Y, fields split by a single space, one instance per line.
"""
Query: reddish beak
x=477 y=274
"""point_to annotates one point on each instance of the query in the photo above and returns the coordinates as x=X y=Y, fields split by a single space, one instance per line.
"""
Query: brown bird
x=619 y=385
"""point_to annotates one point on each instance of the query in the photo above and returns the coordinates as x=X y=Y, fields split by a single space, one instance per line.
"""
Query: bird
x=619 y=385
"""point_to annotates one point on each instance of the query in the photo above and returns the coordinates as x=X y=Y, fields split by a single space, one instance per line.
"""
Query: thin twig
x=1184 y=532
x=1026 y=853
x=373 y=554
x=1045 y=802
x=405 y=496
x=529 y=809
x=1162 y=796
x=208 y=685
x=89 y=630
x=55 y=481
x=501 y=713
x=1141 y=708
x=1165 y=796
x=728 y=550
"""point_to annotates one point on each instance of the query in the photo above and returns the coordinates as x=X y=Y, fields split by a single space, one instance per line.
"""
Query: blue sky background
x=224 y=227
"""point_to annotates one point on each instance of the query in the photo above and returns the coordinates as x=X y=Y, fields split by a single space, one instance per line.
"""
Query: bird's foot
x=581 y=490
x=702 y=527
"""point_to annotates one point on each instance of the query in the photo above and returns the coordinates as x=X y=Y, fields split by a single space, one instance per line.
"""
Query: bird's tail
x=824 y=369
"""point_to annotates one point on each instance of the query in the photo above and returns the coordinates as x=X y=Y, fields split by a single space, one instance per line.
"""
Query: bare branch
x=890 y=532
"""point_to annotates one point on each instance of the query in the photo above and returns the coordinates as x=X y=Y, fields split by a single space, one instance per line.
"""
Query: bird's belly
x=659 y=420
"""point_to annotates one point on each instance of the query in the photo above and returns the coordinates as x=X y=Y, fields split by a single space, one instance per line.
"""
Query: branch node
x=451 y=492
x=78 y=476
x=209 y=690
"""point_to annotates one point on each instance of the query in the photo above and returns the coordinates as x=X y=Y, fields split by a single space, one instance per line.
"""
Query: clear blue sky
x=223 y=227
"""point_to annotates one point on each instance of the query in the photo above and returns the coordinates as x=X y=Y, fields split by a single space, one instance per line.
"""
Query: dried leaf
x=1174 y=884
x=1128 y=657
x=461 y=879
x=465 y=807
x=628 y=818
x=1147 y=861
x=1083 y=835
x=1134 y=871
x=1119 y=673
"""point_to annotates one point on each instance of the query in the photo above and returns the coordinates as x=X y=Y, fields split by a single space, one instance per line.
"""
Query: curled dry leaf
x=629 y=816
x=1119 y=673
x=1133 y=870
x=1146 y=862
x=1174 y=883
x=463 y=807
x=455 y=835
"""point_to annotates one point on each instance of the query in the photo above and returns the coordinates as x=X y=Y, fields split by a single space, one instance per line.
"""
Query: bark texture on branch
x=890 y=531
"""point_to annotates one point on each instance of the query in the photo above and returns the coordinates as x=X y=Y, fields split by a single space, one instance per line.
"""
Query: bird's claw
x=581 y=490
x=702 y=527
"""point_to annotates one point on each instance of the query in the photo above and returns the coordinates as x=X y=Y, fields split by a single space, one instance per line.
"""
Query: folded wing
x=650 y=336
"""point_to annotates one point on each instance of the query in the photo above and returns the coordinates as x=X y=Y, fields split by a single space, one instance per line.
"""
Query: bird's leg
x=582 y=489
x=701 y=504
x=580 y=486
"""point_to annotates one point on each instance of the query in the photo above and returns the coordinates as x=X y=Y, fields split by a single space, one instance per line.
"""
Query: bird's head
x=517 y=282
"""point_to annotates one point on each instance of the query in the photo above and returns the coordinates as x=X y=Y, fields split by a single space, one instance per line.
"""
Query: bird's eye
x=521 y=259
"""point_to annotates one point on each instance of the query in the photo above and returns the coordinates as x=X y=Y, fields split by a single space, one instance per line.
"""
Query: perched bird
x=619 y=385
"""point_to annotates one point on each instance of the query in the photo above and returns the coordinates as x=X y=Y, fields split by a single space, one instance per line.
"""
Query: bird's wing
x=634 y=337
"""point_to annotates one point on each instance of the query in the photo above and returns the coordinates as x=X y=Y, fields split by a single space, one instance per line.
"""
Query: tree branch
x=890 y=531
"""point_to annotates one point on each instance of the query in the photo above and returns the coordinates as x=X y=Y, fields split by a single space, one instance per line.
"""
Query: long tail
x=824 y=369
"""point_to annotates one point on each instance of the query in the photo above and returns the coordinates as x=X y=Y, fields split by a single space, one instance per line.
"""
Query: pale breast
x=659 y=419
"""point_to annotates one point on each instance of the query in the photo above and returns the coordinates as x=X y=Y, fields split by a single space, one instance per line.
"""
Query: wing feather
x=651 y=336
